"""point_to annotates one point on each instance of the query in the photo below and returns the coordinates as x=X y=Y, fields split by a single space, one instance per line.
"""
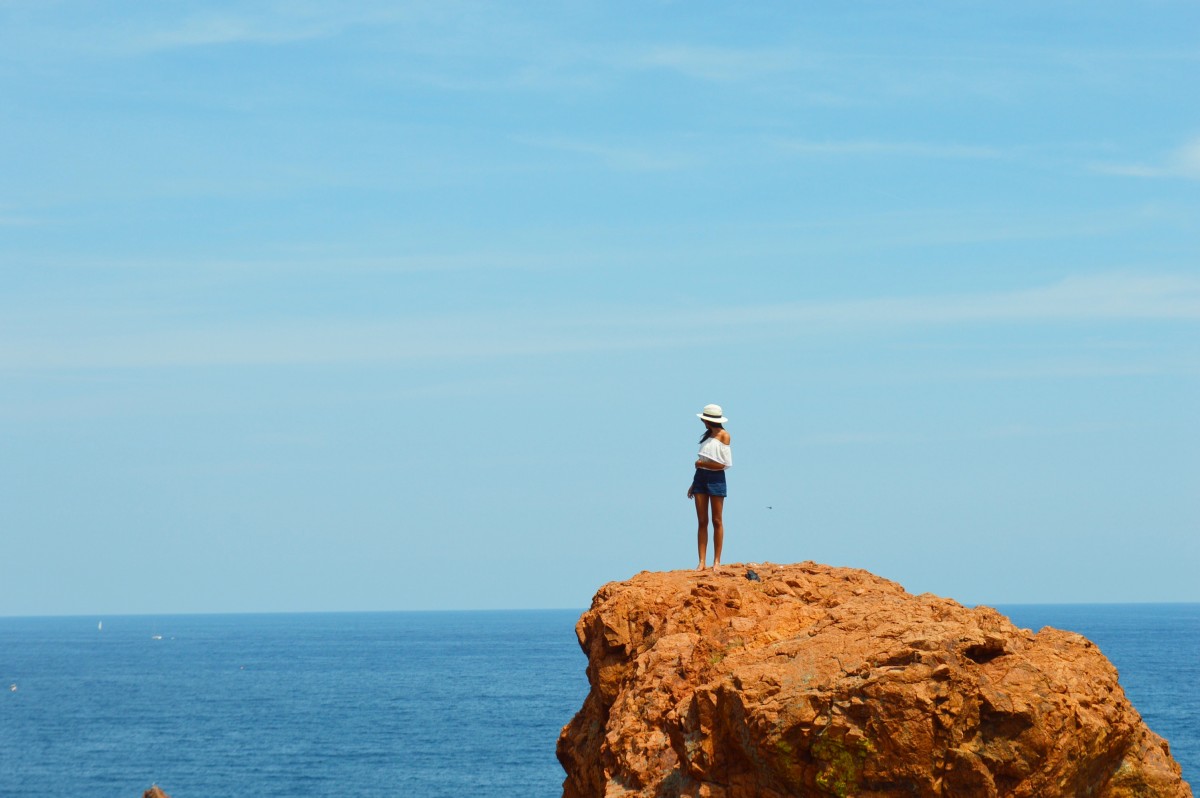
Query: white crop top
x=713 y=449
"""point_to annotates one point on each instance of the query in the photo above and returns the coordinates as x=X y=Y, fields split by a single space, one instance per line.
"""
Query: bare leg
x=702 y=528
x=718 y=507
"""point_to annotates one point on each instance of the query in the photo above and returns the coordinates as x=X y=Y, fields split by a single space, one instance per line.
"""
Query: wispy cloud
x=1083 y=367
x=714 y=63
x=326 y=341
x=624 y=158
x=261 y=24
x=29 y=343
x=1076 y=299
x=1183 y=162
x=867 y=147
x=229 y=29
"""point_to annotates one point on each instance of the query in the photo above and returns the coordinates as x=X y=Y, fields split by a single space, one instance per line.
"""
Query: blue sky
x=412 y=306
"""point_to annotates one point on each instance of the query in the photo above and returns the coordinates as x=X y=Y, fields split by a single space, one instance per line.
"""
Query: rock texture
x=820 y=681
x=155 y=792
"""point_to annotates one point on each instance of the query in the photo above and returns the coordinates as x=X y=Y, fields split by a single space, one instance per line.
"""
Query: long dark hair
x=710 y=429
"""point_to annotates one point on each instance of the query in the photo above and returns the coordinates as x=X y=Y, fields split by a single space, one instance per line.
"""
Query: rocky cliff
x=817 y=681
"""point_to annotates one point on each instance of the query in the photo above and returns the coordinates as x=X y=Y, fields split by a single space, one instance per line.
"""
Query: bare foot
x=700 y=567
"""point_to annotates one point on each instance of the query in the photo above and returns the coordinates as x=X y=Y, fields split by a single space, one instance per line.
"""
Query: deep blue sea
x=419 y=705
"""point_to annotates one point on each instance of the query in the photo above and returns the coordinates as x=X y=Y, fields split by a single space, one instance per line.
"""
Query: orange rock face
x=820 y=681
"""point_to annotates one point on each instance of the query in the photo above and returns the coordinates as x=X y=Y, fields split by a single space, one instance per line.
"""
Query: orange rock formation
x=820 y=681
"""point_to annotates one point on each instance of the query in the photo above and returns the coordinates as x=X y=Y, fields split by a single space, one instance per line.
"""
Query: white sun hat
x=712 y=414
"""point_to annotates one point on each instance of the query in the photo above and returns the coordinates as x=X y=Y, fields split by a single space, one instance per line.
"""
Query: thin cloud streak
x=1182 y=163
x=722 y=64
x=278 y=25
x=873 y=148
x=1102 y=299
x=167 y=29
x=223 y=30
x=319 y=343
x=622 y=158
x=1093 y=298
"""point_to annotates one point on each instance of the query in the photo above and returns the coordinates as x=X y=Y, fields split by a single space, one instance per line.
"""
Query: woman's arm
x=711 y=465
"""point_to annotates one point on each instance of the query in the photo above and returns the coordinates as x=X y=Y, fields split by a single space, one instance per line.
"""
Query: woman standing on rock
x=708 y=486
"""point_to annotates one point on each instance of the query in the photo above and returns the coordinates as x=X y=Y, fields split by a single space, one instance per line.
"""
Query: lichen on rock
x=822 y=681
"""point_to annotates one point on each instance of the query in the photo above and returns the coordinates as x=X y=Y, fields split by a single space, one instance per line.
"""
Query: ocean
x=420 y=705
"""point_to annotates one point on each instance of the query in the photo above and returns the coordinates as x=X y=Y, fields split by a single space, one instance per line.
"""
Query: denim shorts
x=710 y=482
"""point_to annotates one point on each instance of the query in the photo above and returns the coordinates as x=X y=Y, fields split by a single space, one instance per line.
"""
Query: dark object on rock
x=752 y=576
x=819 y=681
x=155 y=792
